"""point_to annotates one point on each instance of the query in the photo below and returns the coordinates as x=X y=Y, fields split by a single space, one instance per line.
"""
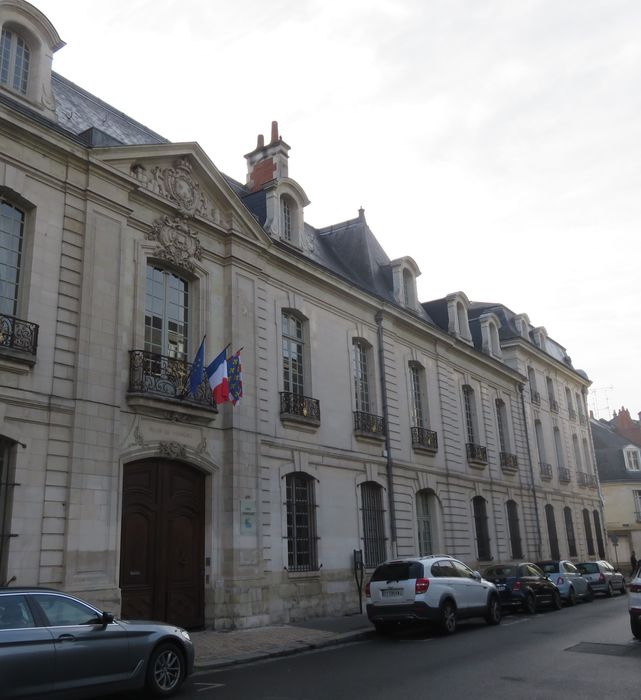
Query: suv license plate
x=392 y=592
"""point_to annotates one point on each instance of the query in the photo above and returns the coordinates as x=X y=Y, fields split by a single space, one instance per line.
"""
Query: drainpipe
x=529 y=459
x=388 y=451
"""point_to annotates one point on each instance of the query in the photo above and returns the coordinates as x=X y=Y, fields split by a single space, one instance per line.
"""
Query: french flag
x=217 y=375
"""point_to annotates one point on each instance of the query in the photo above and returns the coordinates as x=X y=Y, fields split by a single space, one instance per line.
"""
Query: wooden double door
x=162 y=545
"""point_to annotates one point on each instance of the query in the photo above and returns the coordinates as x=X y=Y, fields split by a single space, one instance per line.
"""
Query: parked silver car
x=55 y=645
x=602 y=577
x=571 y=583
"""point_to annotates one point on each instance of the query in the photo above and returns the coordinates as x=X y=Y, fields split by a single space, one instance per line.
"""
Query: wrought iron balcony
x=16 y=334
x=424 y=439
x=564 y=474
x=165 y=377
x=476 y=453
x=368 y=424
x=508 y=461
x=582 y=419
x=546 y=470
x=592 y=482
x=572 y=414
x=299 y=407
x=554 y=405
x=582 y=478
x=536 y=397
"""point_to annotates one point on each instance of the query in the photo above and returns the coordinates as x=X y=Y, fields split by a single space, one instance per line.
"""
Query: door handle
x=66 y=638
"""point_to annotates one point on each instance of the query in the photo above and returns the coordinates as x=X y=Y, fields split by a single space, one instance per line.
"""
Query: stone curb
x=286 y=651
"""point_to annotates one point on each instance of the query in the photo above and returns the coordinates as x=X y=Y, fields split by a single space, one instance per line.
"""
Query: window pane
x=373 y=523
x=425 y=545
x=301 y=523
x=15 y=613
x=65 y=611
x=11 y=242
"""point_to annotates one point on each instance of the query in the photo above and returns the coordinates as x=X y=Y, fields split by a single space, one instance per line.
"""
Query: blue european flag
x=197 y=375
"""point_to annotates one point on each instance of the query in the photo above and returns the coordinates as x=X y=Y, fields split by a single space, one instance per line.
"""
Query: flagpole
x=184 y=393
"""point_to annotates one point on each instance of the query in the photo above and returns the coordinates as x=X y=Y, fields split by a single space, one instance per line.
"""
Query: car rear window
x=14 y=613
x=398 y=571
x=588 y=568
x=499 y=572
x=549 y=567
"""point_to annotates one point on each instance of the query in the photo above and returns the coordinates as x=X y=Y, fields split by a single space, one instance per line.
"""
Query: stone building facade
x=370 y=421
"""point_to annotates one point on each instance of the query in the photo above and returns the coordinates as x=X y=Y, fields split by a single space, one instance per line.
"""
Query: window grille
x=301 y=523
x=373 y=524
x=552 y=533
x=468 y=399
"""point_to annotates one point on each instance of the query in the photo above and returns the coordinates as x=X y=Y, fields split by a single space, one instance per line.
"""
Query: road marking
x=514 y=622
x=209 y=686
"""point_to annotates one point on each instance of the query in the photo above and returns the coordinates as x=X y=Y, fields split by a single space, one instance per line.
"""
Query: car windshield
x=398 y=571
x=549 y=567
x=588 y=568
x=499 y=571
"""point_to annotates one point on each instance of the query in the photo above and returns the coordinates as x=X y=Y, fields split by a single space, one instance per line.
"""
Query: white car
x=634 y=603
x=436 y=588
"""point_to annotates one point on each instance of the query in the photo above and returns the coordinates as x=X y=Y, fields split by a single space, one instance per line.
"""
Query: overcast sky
x=497 y=142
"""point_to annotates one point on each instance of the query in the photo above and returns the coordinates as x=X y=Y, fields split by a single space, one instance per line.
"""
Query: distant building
x=617 y=444
x=369 y=422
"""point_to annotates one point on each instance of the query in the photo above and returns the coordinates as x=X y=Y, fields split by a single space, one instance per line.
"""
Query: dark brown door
x=162 y=543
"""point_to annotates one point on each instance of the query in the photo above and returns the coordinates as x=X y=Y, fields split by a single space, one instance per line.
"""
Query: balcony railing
x=165 y=377
x=368 y=424
x=536 y=397
x=425 y=439
x=572 y=414
x=554 y=405
x=476 y=453
x=546 y=470
x=564 y=474
x=299 y=407
x=16 y=334
x=582 y=419
x=592 y=482
x=582 y=478
x=508 y=461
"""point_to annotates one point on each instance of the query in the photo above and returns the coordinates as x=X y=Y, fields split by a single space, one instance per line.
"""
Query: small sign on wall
x=247 y=517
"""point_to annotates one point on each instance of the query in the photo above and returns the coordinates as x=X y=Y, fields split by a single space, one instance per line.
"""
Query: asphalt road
x=582 y=652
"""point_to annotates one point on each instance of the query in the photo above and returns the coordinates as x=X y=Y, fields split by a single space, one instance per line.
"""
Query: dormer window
x=632 y=458
x=458 y=321
x=15 y=57
x=286 y=219
x=404 y=274
x=490 y=325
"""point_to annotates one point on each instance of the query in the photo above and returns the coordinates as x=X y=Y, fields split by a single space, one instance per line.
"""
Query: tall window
x=632 y=459
x=15 y=57
x=588 y=531
x=11 y=242
x=479 y=505
x=417 y=374
x=469 y=408
x=569 y=529
x=586 y=455
x=408 y=284
x=515 y=529
x=301 y=523
x=501 y=420
x=540 y=440
x=287 y=219
x=637 y=504
x=166 y=313
x=424 y=516
x=534 y=393
x=293 y=352
x=558 y=447
x=552 y=534
x=360 y=360
x=579 y=406
x=568 y=400
x=373 y=523
x=551 y=396
x=577 y=453
x=599 y=534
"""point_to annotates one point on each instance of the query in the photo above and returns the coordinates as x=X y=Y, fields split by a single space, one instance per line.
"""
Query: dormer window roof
x=458 y=320
x=404 y=274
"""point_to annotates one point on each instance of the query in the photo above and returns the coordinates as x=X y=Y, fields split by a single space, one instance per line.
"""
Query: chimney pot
x=261 y=142
x=274 y=132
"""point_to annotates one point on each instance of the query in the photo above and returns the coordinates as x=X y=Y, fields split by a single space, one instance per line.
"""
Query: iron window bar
x=17 y=334
x=564 y=474
x=508 y=460
x=476 y=453
x=292 y=404
x=546 y=470
x=536 y=398
x=369 y=424
x=422 y=437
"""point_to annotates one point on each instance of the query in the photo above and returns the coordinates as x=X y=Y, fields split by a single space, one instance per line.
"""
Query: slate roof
x=610 y=460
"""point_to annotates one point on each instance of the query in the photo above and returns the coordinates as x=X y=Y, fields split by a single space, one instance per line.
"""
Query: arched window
x=599 y=534
x=301 y=523
x=463 y=324
x=495 y=343
x=286 y=218
x=11 y=249
x=569 y=529
x=552 y=534
x=588 y=531
x=479 y=505
x=15 y=57
x=515 y=529
x=373 y=523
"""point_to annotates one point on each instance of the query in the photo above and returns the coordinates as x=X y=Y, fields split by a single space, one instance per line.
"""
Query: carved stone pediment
x=178 y=184
x=178 y=243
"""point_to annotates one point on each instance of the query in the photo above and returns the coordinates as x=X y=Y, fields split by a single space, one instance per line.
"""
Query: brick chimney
x=626 y=427
x=267 y=162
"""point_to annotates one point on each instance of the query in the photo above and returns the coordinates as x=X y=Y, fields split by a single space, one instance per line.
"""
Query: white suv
x=634 y=603
x=436 y=588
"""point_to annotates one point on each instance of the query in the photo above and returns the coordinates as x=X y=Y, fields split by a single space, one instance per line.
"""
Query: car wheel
x=557 y=603
x=383 y=628
x=624 y=590
x=494 y=613
x=530 y=604
x=635 y=626
x=166 y=670
x=589 y=595
x=448 y=617
x=609 y=592
x=571 y=596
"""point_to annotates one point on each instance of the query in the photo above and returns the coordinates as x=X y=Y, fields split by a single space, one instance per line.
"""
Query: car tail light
x=516 y=586
x=601 y=578
x=560 y=581
x=635 y=587
x=421 y=586
x=368 y=592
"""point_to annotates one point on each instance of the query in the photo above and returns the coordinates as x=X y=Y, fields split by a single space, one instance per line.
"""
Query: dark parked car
x=55 y=645
x=524 y=586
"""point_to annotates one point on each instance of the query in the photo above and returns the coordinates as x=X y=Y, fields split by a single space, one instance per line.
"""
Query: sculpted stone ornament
x=172 y=449
x=177 y=184
x=178 y=243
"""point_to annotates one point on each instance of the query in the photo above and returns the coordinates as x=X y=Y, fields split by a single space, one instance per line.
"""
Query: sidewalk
x=220 y=649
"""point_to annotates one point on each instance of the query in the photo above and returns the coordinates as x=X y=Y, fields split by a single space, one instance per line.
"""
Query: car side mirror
x=477 y=575
x=106 y=618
